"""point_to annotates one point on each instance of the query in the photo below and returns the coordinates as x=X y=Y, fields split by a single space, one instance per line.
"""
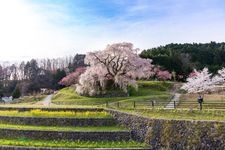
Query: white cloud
x=36 y=31
x=26 y=33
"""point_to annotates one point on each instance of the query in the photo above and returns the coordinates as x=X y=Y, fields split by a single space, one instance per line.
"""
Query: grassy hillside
x=148 y=90
x=29 y=99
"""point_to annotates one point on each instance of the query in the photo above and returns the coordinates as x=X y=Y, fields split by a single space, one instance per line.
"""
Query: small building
x=46 y=91
x=7 y=99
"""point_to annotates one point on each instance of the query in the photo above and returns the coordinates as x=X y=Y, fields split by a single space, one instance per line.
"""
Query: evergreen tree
x=16 y=93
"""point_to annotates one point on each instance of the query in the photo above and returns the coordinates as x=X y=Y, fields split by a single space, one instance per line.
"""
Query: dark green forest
x=183 y=58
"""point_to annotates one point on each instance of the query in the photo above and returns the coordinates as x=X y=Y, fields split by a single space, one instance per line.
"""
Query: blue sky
x=55 y=28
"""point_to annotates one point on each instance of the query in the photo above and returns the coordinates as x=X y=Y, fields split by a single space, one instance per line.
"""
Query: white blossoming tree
x=199 y=82
x=220 y=77
x=119 y=63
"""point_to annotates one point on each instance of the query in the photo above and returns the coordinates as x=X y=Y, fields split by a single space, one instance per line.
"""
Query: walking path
x=176 y=96
x=46 y=101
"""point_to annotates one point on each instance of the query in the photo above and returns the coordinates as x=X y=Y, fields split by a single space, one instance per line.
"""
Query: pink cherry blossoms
x=162 y=74
x=72 y=78
x=119 y=63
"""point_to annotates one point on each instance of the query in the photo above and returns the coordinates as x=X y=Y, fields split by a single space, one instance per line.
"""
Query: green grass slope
x=148 y=90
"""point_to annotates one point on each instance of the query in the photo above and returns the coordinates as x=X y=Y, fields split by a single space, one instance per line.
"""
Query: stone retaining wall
x=58 y=121
x=174 y=134
x=66 y=135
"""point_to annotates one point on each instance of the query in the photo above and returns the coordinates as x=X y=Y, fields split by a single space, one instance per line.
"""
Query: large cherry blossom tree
x=199 y=82
x=118 y=63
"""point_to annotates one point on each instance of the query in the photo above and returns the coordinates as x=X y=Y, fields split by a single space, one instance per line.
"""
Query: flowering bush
x=162 y=74
x=73 y=77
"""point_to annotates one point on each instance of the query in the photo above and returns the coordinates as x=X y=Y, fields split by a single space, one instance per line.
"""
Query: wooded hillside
x=183 y=58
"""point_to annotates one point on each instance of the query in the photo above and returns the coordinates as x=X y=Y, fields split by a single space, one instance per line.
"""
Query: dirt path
x=46 y=101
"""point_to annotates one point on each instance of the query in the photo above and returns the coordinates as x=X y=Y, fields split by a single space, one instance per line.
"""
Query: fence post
x=134 y=104
x=107 y=104
x=118 y=104
x=174 y=104
x=152 y=104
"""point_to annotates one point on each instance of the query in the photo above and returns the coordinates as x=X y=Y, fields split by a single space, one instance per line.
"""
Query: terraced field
x=61 y=128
